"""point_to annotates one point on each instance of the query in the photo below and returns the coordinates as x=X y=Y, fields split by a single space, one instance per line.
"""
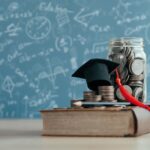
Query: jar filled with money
x=129 y=53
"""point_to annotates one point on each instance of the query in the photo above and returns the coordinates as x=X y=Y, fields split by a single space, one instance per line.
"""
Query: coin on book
x=107 y=93
x=97 y=98
x=106 y=88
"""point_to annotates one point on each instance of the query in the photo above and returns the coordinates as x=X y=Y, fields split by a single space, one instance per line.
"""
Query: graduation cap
x=96 y=72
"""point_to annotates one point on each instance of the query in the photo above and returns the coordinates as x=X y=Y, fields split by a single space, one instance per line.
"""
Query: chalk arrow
x=84 y=18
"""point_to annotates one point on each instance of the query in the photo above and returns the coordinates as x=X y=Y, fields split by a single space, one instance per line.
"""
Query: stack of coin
x=107 y=93
x=91 y=96
x=131 y=69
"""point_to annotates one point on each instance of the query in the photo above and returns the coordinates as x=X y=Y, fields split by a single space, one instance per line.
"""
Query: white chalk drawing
x=38 y=28
x=52 y=74
x=63 y=43
x=121 y=10
x=84 y=18
x=35 y=103
x=62 y=17
x=8 y=85
x=131 y=19
x=74 y=64
x=15 y=15
x=25 y=58
x=13 y=29
x=13 y=6
x=46 y=52
x=45 y=97
x=97 y=28
x=132 y=30
x=43 y=6
x=49 y=7
x=72 y=94
x=53 y=104
x=60 y=70
x=99 y=47
x=22 y=74
x=96 y=48
x=24 y=45
x=81 y=39
x=75 y=82
x=13 y=56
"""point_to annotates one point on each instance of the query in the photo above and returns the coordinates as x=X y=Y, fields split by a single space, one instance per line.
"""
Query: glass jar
x=129 y=53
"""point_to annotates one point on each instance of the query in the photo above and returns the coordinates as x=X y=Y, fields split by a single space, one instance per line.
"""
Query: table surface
x=26 y=135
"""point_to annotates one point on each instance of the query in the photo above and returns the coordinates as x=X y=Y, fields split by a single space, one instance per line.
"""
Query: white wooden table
x=26 y=135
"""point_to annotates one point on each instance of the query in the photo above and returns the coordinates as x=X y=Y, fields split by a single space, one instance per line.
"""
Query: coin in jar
x=138 y=93
x=136 y=66
x=118 y=92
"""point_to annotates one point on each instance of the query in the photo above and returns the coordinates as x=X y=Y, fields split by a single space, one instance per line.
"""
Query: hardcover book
x=109 y=121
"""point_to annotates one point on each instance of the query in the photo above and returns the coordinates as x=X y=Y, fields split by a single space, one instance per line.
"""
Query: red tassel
x=128 y=96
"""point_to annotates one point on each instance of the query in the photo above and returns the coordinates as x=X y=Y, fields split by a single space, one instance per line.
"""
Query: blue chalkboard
x=42 y=42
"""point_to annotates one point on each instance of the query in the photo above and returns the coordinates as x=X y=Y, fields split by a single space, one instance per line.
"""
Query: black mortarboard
x=96 y=72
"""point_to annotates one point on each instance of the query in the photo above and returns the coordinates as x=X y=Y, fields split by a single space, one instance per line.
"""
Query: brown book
x=110 y=121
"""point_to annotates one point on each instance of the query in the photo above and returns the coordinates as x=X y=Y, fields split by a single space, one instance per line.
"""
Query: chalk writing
x=49 y=7
x=13 y=6
x=21 y=73
x=24 y=45
x=16 y=15
x=131 y=19
x=131 y=30
x=97 y=28
x=13 y=56
x=13 y=29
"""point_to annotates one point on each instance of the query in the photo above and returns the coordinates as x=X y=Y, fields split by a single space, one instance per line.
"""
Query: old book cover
x=111 y=121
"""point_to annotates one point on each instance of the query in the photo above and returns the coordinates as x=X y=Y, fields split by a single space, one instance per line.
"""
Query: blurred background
x=42 y=42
